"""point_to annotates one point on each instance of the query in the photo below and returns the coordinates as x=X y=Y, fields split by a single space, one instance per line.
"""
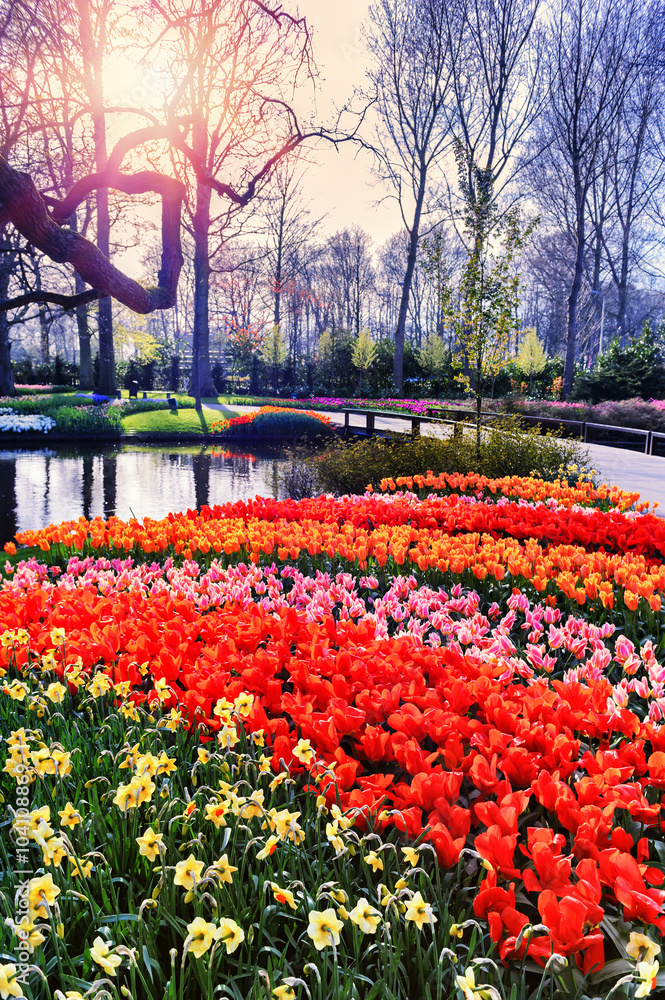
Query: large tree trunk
x=86 y=376
x=573 y=301
x=202 y=383
x=6 y=373
x=398 y=362
x=93 y=57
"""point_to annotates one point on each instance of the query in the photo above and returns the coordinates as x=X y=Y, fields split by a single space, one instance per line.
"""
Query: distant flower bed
x=647 y=414
x=274 y=422
x=16 y=423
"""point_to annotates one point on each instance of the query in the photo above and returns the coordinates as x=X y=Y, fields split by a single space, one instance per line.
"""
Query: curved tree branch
x=22 y=204
x=68 y=302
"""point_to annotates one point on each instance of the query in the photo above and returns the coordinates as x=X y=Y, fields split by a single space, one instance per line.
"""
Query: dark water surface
x=40 y=486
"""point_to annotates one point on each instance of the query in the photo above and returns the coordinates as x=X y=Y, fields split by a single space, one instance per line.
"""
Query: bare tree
x=594 y=54
x=410 y=79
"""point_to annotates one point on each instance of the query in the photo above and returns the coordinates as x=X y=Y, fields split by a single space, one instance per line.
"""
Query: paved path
x=628 y=470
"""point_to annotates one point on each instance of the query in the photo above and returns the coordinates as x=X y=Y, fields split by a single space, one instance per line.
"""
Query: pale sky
x=341 y=183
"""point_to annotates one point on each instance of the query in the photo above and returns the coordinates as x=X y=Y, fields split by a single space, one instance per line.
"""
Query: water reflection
x=44 y=485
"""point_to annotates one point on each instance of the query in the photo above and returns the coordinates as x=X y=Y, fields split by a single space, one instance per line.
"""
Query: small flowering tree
x=363 y=354
x=485 y=317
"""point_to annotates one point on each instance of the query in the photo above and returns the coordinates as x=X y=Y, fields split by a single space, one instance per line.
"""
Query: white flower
x=13 y=422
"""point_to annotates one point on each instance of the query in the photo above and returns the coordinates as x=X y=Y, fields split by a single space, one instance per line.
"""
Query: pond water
x=40 y=486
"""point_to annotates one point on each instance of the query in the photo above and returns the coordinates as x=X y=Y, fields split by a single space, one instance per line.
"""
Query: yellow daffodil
x=56 y=692
x=366 y=917
x=30 y=937
x=324 y=928
x=144 y=786
x=283 y=895
x=230 y=934
x=227 y=737
x=332 y=833
x=456 y=931
x=222 y=708
x=150 y=844
x=130 y=760
x=9 y=987
x=202 y=755
x=201 y=933
x=243 y=703
x=99 y=685
x=61 y=762
x=17 y=691
x=270 y=845
x=166 y=765
x=419 y=911
x=126 y=797
x=146 y=763
x=69 y=816
x=188 y=873
x=123 y=689
x=253 y=807
x=82 y=869
x=303 y=752
x=41 y=896
x=19 y=739
x=215 y=812
x=223 y=870
x=278 y=780
x=374 y=861
x=400 y=884
x=16 y=768
x=338 y=895
x=162 y=689
x=642 y=948
x=171 y=721
x=286 y=826
x=258 y=738
x=467 y=984
x=284 y=993
x=411 y=856
x=57 y=636
x=101 y=954
x=647 y=972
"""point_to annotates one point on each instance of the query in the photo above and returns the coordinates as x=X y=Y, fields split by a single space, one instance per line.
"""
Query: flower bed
x=342 y=740
x=17 y=423
x=274 y=422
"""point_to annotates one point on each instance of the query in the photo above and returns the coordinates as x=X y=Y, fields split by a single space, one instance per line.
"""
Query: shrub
x=275 y=423
x=349 y=466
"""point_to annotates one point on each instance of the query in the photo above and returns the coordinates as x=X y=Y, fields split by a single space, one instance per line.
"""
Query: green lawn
x=175 y=422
